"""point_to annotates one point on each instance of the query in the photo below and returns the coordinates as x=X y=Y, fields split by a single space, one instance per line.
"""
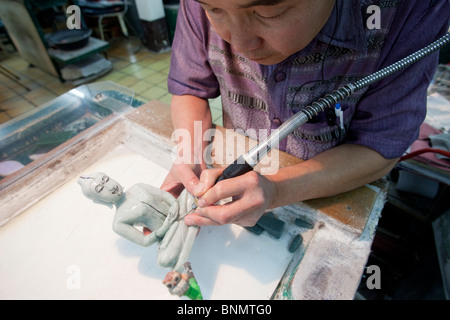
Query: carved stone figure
x=160 y=213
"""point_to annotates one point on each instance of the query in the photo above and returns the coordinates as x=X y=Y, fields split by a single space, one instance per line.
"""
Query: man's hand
x=181 y=176
x=251 y=196
x=334 y=171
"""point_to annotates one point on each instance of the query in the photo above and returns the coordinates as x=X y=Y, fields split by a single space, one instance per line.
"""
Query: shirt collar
x=349 y=31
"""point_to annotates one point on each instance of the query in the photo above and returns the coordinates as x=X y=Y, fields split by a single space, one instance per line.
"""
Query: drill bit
x=194 y=206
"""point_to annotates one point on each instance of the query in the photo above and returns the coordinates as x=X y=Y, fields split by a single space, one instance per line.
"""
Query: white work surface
x=64 y=247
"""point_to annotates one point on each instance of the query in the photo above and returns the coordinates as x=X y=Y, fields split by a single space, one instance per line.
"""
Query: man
x=268 y=59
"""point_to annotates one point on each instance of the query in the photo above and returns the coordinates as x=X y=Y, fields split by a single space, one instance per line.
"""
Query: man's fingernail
x=202 y=203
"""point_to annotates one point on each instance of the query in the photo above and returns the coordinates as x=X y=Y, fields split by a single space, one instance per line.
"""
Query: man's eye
x=269 y=15
x=216 y=11
x=98 y=188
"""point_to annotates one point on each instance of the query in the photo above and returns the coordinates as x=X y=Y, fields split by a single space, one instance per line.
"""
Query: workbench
x=229 y=262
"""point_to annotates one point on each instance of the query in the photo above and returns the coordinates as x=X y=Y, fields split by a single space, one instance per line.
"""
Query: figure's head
x=267 y=31
x=99 y=186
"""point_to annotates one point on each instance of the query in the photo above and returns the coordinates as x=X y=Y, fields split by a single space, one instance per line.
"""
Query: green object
x=271 y=224
x=50 y=140
x=194 y=292
x=295 y=243
x=255 y=229
x=54 y=138
x=303 y=224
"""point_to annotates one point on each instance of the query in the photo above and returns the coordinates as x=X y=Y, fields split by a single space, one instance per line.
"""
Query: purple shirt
x=384 y=117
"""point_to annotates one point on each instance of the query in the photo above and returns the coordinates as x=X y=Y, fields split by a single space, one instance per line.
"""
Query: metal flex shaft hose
x=259 y=151
x=248 y=161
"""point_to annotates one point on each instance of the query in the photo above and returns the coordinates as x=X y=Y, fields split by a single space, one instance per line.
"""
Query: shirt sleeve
x=190 y=72
x=388 y=117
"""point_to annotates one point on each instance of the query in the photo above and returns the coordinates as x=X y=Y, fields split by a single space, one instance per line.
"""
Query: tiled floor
x=134 y=66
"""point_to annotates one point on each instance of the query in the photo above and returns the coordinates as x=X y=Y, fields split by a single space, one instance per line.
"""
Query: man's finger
x=222 y=190
x=194 y=219
x=207 y=180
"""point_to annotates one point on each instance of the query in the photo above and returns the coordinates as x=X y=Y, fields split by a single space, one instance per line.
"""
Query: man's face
x=267 y=31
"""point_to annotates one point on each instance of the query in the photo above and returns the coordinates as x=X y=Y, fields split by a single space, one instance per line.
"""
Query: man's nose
x=244 y=38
